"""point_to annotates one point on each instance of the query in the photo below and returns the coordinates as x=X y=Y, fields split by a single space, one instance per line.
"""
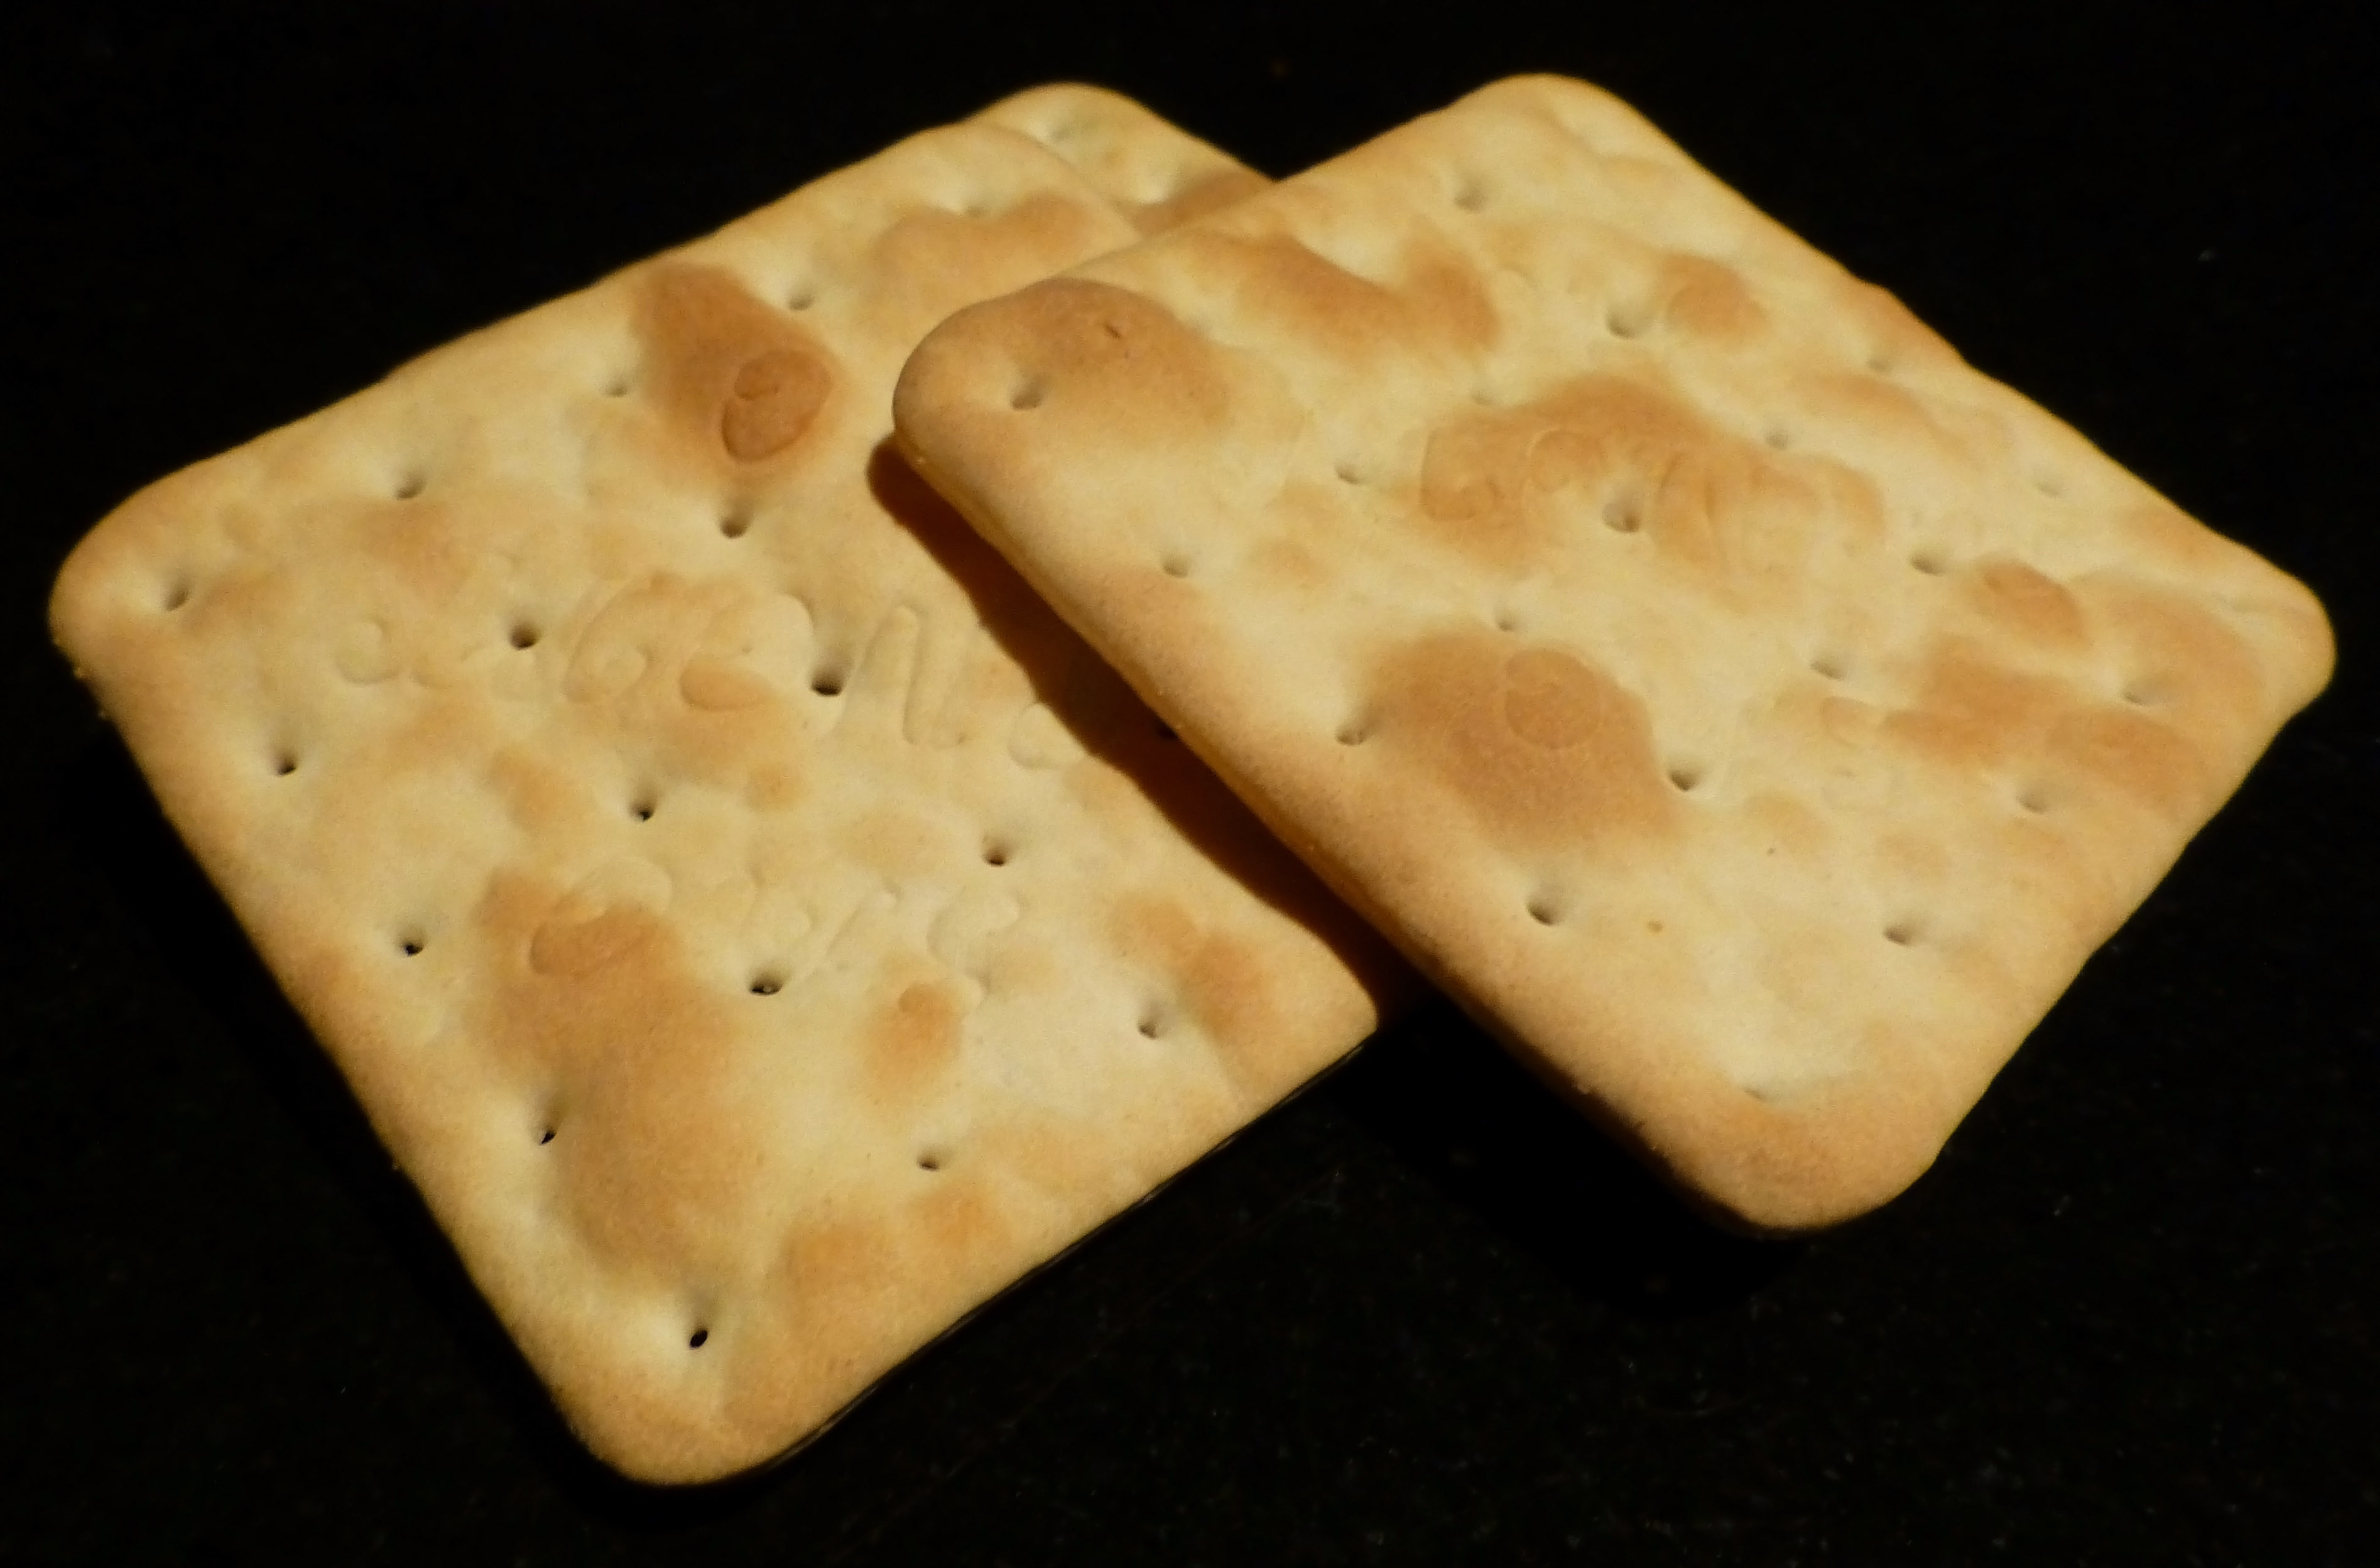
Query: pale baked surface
x=1749 y=710
x=1145 y=165
x=756 y=924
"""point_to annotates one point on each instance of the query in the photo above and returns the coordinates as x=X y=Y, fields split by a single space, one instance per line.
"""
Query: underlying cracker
x=754 y=921
x=1142 y=164
x=1752 y=713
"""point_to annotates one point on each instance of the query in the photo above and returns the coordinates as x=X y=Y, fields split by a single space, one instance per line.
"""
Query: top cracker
x=1750 y=711
x=751 y=918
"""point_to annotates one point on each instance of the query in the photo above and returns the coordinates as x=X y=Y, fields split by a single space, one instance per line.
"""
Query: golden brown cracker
x=727 y=890
x=1749 y=710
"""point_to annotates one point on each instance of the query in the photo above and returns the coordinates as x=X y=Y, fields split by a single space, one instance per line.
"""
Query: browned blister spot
x=542 y=799
x=914 y=1041
x=1430 y=303
x=1553 y=701
x=1972 y=712
x=2145 y=759
x=929 y=263
x=1708 y=298
x=423 y=547
x=1563 y=457
x=835 y=1276
x=1726 y=513
x=1879 y=409
x=1471 y=476
x=959 y=1224
x=1223 y=981
x=2021 y=600
x=731 y=375
x=715 y=685
x=592 y=1002
x=1117 y=356
x=1284 y=560
x=2177 y=650
x=775 y=397
x=1540 y=747
x=774 y=786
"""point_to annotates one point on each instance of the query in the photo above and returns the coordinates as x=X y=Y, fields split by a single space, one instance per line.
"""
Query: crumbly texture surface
x=1750 y=711
x=754 y=921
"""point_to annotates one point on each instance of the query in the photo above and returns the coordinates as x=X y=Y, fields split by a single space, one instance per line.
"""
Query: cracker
x=1752 y=712
x=754 y=921
x=1143 y=165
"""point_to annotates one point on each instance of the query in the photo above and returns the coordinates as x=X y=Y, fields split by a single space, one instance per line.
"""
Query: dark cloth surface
x=1421 y=1314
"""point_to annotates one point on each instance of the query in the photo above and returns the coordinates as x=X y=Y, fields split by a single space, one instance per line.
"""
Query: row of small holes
x=1545 y=910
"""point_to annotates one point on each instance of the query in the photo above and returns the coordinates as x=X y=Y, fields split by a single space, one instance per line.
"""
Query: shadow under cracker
x=1112 y=724
x=1446 y=1098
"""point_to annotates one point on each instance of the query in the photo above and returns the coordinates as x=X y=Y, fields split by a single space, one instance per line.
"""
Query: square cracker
x=756 y=924
x=1752 y=712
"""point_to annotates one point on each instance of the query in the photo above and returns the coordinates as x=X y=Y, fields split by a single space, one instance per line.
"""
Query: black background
x=1420 y=1315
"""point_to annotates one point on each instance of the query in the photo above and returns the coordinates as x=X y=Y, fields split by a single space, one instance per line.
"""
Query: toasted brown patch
x=735 y=375
x=1539 y=747
x=1709 y=298
x=914 y=1041
x=634 y=1056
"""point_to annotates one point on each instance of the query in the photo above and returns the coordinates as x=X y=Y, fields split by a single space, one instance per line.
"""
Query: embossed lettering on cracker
x=1750 y=712
x=754 y=921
